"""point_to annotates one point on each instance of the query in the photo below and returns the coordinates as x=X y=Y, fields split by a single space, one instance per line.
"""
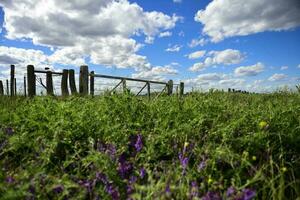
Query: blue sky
x=256 y=49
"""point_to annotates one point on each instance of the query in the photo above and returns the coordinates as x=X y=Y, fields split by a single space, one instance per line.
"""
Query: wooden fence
x=86 y=83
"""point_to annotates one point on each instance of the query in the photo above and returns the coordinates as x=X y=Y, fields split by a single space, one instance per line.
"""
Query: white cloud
x=228 y=18
x=226 y=57
x=252 y=70
x=165 y=34
x=156 y=73
x=197 y=67
x=284 y=68
x=177 y=1
x=99 y=29
x=197 y=42
x=299 y=66
x=197 y=54
x=174 y=48
x=181 y=34
x=278 y=77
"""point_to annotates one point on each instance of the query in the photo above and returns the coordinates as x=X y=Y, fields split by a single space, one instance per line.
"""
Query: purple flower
x=108 y=149
x=9 y=131
x=10 y=179
x=211 y=196
x=248 y=194
x=135 y=144
x=101 y=177
x=125 y=169
x=142 y=172
x=58 y=189
x=183 y=161
x=113 y=192
x=230 y=191
x=202 y=165
x=139 y=143
x=168 y=190
x=194 y=190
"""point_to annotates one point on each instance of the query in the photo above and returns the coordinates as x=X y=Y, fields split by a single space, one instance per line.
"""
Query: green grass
x=243 y=141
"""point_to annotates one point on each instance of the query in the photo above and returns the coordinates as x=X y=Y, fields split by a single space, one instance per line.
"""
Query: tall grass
x=207 y=145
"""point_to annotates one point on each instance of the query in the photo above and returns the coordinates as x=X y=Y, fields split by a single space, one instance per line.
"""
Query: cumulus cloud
x=174 y=48
x=214 y=80
x=299 y=66
x=157 y=73
x=221 y=21
x=284 y=68
x=226 y=57
x=252 y=70
x=197 y=42
x=99 y=29
x=278 y=77
x=197 y=54
x=165 y=34
x=177 y=1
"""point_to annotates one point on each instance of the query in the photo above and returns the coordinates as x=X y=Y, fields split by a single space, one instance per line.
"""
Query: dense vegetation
x=206 y=146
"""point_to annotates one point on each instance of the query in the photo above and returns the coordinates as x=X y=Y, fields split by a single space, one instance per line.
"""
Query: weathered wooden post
x=15 y=86
x=12 y=80
x=84 y=80
x=170 y=87
x=25 y=89
x=7 y=88
x=181 y=89
x=1 y=88
x=124 y=85
x=92 y=83
x=148 y=90
x=229 y=89
x=31 y=82
x=72 y=81
x=64 y=83
x=49 y=83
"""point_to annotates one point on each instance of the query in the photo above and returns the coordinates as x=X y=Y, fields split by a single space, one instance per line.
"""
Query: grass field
x=207 y=146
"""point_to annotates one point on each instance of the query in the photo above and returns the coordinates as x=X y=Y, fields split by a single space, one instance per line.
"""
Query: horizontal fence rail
x=86 y=83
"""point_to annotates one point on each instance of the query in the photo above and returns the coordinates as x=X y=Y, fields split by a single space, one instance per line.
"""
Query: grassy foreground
x=208 y=146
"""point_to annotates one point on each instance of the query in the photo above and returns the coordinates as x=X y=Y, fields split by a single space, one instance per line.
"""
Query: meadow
x=213 y=145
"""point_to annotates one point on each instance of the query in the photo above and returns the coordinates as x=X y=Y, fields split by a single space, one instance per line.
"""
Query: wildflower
x=183 y=161
x=9 y=131
x=194 y=190
x=125 y=168
x=135 y=144
x=254 y=158
x=142 y=173
x=202 y=165
x=283 y=169
x=210 y=180
x=10 y=179
x=168 y=190
x=211 y=196
x=263 y=125
x=58 y=189
x=186 y=144
x=230 y=191
x=247 y=194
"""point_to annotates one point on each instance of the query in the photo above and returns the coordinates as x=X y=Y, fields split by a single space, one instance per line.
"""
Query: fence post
x=181 y=89
x=148 y=89
x=64 y=83
x=92 y=83
x=1 y=88
x=31 y=82
x=25 y=90
x=7 y=88
x=49 y=83
x=170 y=87
x=72 y=81
x=84 y=80
x=124 y=85
x=12 y=80
x=15 y=86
